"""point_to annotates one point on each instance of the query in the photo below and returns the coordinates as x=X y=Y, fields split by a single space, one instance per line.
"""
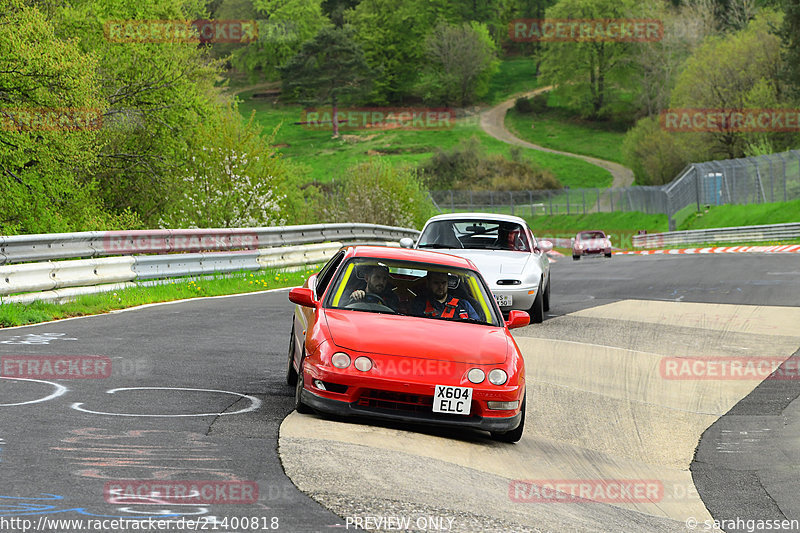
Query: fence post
x=550 y=197
x=511 y=197
x=567 y=191
x=611 y=196
x=598 y=199
x=530 y=201
x=491 y=199
x=452 y=206
x=583 y=194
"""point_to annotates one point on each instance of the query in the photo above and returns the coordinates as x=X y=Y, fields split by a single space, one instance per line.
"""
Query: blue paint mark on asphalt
x=25 y=506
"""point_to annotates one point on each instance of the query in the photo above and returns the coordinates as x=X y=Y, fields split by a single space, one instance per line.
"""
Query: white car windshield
x=475 y=234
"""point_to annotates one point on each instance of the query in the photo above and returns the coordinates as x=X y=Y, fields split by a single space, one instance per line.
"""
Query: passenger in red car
x=438 y=303
x=377 y=290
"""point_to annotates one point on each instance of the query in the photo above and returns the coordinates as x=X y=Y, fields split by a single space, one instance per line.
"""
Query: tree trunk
x=335 y=116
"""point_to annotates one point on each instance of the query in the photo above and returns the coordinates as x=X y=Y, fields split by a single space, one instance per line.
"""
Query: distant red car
x=593 y=242
x=385 y=351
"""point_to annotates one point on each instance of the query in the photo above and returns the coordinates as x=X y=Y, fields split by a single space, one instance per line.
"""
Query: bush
x=653 y=154
x=375 y=192
x=539 y=102
x=523 y=105
x=467 y=167
x=234 y=179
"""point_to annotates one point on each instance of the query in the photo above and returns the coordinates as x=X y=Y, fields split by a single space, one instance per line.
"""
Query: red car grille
x=396 y=400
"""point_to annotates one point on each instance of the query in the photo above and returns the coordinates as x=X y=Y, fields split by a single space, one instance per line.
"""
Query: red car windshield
x=409 y=288
x=589 y=235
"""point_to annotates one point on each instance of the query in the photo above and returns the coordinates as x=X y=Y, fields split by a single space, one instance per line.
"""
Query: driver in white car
x=378 y=289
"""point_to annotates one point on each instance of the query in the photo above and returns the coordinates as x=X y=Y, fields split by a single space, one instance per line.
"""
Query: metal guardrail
x=45 y=247
x=768 y=232
x=30 y=259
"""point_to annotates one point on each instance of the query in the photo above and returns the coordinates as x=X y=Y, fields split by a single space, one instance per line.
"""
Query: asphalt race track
x=194 y=396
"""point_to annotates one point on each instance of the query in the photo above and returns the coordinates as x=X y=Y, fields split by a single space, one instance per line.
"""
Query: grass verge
x=514 y=76
x=724 y=216
x=559 y=131
x=12 y=314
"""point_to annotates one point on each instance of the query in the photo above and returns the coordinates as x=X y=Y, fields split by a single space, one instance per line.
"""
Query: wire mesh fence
x=761 y=179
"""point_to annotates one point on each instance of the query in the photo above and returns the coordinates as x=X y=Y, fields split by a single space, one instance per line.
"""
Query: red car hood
x=417 y=337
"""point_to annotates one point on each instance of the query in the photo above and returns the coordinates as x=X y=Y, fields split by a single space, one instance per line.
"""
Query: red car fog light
x=503 y=406
x=340 y=360
x=498 y=377
x=476 y=375
x=363 y=363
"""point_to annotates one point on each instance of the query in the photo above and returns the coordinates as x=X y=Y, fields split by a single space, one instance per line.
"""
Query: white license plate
x=503 y=300
x=452 y=400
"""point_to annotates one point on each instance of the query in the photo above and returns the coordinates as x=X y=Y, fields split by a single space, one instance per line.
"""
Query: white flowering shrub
x=233 y=179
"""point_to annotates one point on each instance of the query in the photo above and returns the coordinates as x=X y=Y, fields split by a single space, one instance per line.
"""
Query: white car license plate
x=452 y=400
x=503 y=300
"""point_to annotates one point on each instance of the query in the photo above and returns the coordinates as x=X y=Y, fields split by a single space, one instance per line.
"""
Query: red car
x=408 y=335
x=593 y=242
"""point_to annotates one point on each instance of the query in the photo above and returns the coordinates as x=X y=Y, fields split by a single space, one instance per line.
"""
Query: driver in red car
x=377 y=289
x=437 y=303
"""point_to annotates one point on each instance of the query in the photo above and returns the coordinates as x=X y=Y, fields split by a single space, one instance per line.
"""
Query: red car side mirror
x=517 y=319
x=302 y=296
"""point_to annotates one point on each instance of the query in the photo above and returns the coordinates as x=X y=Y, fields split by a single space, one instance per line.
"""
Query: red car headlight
x=476 y=375
x=498 y=376
x=363 y=364
x=340 y=360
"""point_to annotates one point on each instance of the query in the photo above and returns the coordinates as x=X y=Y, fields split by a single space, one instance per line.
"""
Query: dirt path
x=493 y=123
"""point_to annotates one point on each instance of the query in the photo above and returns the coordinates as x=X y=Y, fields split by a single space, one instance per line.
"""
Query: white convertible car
x=509 y=257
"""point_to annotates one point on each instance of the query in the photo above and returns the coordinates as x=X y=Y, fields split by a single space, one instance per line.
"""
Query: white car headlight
x=497 y=376
x=363 y=363
x=340 y=360
x=476 y=375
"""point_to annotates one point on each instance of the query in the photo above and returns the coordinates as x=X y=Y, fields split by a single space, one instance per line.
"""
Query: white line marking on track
x=255 y=403
x=60 y=389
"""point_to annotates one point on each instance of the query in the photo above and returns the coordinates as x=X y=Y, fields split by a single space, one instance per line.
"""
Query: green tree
x=328 y=69
x=42 y=76
x=790 y=37
x=289 y=23
x=733 y=71
x=589 y=72
x=655 y=155
x=156 y=94
x=391 y=33
x=235 y=179
x=522 y=9
x=462 y=59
